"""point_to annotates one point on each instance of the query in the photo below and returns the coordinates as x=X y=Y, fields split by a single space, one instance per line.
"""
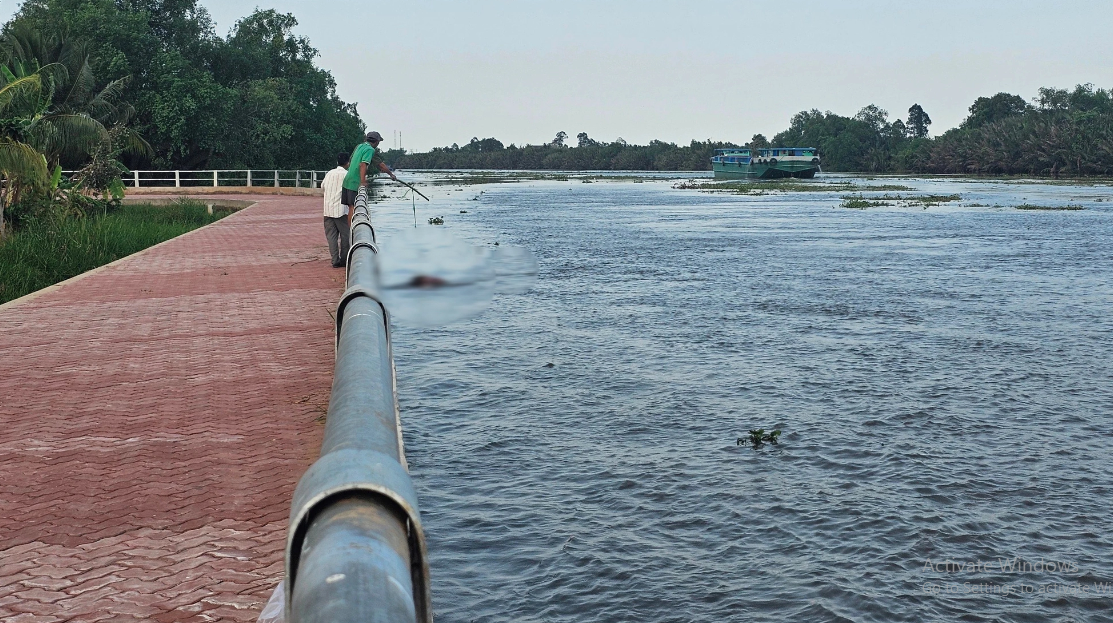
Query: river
x=941 y=372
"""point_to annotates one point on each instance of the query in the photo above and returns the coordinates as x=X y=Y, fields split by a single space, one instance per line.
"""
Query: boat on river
x=765 y=163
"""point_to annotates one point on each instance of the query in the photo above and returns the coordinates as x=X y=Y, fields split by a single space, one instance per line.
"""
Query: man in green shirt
x=365 y=156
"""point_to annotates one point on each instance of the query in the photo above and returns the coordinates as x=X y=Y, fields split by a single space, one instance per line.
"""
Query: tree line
x=1061 y=132
x=254 y=98
x=99 y=86
x=587 y=155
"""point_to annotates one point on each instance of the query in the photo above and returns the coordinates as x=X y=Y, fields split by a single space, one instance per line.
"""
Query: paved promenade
x=155 y=417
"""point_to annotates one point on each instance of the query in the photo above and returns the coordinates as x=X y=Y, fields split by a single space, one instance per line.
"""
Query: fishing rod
x=411 y=187
x=413 y=201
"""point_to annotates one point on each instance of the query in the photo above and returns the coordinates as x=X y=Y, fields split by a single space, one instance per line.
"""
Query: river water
x=942 y=378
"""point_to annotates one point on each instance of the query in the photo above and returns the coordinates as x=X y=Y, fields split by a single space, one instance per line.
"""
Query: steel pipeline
x=355 y=549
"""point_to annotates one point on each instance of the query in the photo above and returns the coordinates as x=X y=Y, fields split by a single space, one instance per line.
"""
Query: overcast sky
x=521 y=70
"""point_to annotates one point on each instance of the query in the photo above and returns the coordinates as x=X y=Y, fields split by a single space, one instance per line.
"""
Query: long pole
x=411 y=187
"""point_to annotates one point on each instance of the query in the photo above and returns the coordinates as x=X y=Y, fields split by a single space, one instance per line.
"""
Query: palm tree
x=79 y=117
x=52 y=114
x=22 y=166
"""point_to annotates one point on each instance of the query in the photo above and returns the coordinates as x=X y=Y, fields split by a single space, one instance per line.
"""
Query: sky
x=442 y=72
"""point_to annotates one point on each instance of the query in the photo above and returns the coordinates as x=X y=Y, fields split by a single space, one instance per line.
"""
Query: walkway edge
x=51 y=288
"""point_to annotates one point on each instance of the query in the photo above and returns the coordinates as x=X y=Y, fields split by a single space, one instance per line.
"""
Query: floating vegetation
x=886 y=187
x=436 y=220
x=935 y=199
x=763 y=187
x=1028 y=206
x=861 y=203
x=759 y=436
x=463 y=211
x=1055 y=182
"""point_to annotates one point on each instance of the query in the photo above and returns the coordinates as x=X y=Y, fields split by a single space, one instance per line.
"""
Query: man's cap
x=374 y=136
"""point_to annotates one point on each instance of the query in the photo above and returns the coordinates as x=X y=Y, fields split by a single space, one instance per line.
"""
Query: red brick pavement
x=155 y=417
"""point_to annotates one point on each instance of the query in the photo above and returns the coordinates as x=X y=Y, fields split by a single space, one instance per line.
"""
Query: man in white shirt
x=336 y=213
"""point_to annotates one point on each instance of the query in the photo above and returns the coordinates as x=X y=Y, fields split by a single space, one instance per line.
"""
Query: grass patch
x=51 y=249
x=1028 y=206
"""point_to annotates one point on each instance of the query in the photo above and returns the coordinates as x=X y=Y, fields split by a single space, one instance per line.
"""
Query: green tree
x=918 y=121
x=583 y=140
x=252 y=99
x=898 y=131
x=558 y=141
x=758 y=141
x=79 y=119
x=22 y=167
x=986 y=110
x=876 y=118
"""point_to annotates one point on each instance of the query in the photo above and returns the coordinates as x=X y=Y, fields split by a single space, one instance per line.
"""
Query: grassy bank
x=48 y=250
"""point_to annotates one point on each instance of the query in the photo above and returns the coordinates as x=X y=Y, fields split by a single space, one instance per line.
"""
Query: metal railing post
x=276 y=178
x=216 y=180
x=177 y=179
x=313 y=184
x=136 y=177
x=355 y=549
x=249 y=178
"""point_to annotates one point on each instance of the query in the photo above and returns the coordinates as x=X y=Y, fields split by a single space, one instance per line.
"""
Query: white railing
x=283 y=178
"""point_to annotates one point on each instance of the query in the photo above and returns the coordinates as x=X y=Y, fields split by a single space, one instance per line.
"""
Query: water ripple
x=942 y=378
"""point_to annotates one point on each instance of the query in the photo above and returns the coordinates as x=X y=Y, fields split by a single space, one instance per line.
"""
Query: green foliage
x=52 y=246
x=1066 y=133
x=865 y=142
x=252 y=99
x=759 y=436
x=986 y=110
x=52 y=114
x=861 y=203
x=918 y=121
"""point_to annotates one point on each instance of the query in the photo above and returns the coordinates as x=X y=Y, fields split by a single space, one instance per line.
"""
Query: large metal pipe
x=355 y=549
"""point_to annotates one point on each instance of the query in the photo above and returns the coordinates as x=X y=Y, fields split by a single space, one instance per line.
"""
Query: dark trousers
x=337 y=229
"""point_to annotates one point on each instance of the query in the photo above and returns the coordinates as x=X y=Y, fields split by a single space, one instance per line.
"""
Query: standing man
x=365 y=156
x=337 y=225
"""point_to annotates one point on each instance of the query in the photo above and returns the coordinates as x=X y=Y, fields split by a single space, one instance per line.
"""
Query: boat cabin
x=733 y=154
x=783 y=152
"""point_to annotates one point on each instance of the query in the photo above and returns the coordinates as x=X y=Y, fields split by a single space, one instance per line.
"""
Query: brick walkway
x=155 y=417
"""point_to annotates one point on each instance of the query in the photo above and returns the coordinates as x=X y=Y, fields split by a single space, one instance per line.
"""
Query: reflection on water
x=942 y=377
